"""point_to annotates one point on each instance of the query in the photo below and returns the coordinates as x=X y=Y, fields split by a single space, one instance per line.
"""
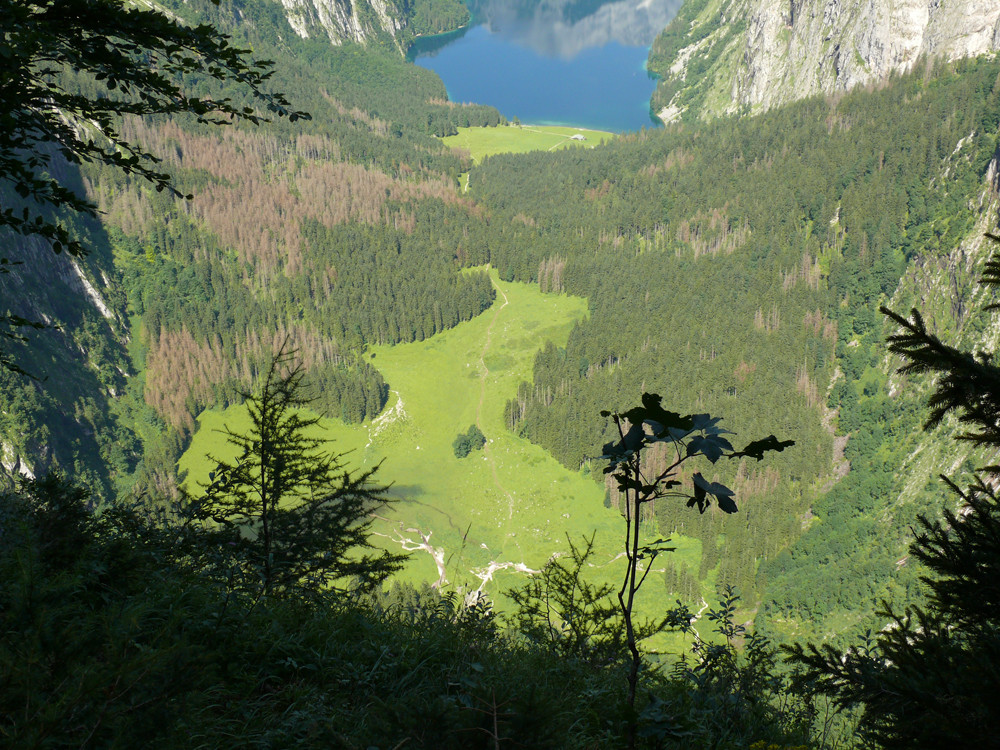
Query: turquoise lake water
x=554 y=62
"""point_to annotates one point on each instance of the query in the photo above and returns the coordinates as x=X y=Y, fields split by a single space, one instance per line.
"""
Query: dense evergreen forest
x=734 y=266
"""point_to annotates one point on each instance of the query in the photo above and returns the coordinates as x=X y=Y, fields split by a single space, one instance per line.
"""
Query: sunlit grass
x=482 y=142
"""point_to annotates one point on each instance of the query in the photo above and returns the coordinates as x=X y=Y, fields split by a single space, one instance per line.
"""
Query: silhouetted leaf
x=627 y=446
x=704 y=421
x=713 y=488
x=700 y=497
x=758 y=448
x=727 y=504
x=653 y=414
x=711 y=447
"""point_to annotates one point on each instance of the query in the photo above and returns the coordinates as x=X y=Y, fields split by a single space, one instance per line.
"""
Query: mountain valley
x=816 y=163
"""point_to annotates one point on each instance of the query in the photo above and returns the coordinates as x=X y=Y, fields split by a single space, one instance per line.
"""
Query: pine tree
x=931 y=677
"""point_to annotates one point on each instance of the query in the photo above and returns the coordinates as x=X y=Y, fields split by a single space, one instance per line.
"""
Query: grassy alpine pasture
x=519 y=139
x=499 y=513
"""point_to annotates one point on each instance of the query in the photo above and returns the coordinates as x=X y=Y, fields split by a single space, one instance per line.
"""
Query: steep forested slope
x=855 y=553
x=65 y=413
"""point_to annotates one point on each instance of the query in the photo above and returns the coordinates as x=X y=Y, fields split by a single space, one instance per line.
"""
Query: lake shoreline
x=442 y=36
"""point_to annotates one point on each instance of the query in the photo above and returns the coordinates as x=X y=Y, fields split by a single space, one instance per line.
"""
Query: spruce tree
x=931 y=677
x=290 y=517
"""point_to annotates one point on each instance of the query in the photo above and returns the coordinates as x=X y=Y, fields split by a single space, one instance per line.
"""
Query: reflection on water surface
x=564 y=28
x=572 y=62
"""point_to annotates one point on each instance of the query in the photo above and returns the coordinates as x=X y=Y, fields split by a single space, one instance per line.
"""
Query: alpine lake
x=553 y=62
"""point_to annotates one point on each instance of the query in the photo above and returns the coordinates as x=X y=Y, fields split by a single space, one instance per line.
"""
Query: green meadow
x=494 y=516
x=483 y=142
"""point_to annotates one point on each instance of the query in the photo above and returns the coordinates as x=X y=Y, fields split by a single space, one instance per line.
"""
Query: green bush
x=466 y=442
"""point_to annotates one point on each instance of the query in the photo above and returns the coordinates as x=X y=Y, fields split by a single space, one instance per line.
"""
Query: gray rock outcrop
x=790 y=49
x=344 y=20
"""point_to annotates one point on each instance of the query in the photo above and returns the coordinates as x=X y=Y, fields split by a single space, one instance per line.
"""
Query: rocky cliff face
x=750 y=55
x=342 y=21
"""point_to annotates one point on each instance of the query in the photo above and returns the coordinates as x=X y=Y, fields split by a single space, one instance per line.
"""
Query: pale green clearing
x=519 y=139
x=491 y=518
